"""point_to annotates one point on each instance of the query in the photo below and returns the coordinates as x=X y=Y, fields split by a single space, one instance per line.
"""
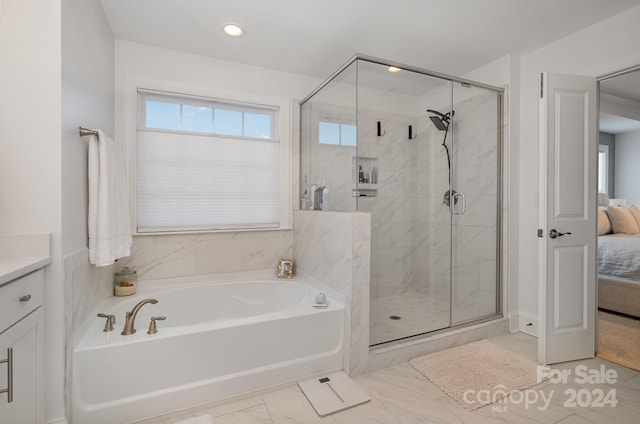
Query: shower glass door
x=404 y=175
x=421 y=153
x=475 y=179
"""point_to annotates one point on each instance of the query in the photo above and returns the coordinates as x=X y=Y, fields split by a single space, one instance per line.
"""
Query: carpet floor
x=619 y=339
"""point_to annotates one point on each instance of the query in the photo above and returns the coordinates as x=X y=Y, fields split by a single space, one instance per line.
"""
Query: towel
x=109 y=213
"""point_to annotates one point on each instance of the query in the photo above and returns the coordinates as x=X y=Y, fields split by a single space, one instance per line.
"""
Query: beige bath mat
x=477 y=374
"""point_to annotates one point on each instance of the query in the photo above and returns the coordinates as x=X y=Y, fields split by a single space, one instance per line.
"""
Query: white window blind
x=192 y=178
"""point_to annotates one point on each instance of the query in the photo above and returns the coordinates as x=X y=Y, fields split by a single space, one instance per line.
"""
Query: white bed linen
x=619 y=255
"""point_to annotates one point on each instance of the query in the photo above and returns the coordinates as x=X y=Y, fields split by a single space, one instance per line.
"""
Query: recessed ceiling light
x=394 y=69
x=233 y=30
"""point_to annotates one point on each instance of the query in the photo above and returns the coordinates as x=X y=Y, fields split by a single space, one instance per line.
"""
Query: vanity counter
x=12 y=268
x=21 y=254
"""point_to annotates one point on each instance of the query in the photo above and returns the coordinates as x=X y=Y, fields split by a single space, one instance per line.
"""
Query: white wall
x=603 y=48
x=30 y=155
x=627 y=169
x=88 y=101
x=185 y=255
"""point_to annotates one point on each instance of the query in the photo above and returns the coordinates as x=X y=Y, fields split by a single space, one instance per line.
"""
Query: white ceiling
x=316 y=37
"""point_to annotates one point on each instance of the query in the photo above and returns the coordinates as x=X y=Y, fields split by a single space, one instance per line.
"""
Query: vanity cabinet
x=21 y=349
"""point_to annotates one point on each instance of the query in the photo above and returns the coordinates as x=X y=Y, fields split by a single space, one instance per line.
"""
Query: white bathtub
x=220 y=339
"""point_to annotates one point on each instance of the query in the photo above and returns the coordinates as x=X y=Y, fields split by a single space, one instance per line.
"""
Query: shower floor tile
x=404 y=315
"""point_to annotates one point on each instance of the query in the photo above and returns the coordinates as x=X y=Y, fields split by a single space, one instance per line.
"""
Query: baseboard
x=524 y=322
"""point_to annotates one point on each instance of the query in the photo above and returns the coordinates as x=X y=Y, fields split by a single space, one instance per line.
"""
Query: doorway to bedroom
x=618 y=315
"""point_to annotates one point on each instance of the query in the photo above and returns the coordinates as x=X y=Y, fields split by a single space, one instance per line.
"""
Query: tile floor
x=400 y=394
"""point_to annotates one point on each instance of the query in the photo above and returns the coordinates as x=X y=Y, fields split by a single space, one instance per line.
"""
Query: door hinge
x=541 y=85
x=540 y=233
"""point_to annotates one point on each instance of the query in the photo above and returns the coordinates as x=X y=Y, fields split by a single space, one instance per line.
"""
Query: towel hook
x=411 y=136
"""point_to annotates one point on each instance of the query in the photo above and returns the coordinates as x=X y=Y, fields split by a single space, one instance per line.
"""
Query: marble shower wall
x=474 y=259
x=464 y=252
x=393 y=210
x=334 y=248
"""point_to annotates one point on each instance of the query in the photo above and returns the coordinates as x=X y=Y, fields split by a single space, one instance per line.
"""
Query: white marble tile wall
x=474 y=232
x=333 y=248
x=169 y=256
x=393 y=211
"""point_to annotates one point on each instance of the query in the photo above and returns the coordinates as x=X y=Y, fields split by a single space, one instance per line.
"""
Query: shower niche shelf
x=370 y=187
x=364 y=191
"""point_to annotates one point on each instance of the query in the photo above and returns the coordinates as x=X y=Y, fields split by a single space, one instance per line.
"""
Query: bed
x=619 y=273
x=618 y=258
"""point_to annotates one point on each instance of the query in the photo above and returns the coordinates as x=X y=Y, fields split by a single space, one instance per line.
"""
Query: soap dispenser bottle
x=312 y=195
x=325 y=197
x=317 y=198
x=305 y=194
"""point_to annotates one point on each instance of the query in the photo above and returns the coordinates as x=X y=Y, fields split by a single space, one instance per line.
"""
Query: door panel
x=568 y=172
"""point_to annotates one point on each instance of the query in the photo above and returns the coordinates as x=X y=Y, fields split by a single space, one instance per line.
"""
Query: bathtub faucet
x=131 y=317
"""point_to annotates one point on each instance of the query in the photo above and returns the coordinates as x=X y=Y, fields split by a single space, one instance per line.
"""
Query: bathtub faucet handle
x=111 y=319
x=153 y=329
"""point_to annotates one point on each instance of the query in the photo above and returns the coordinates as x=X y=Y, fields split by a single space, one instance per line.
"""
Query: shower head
x=441 y=120
x=438 y=122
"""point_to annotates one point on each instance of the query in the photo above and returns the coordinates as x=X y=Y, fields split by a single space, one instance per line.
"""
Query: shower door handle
x=463 y=204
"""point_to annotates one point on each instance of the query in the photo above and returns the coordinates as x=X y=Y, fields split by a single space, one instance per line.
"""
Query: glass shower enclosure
x=421 y=152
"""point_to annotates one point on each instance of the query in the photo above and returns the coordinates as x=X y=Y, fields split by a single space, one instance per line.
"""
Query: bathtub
x=223 y=337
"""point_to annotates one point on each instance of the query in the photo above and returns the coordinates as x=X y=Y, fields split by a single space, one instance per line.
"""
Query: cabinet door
x=25 y=338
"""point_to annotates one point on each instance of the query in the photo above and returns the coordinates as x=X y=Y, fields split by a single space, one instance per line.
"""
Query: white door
x=568 y=214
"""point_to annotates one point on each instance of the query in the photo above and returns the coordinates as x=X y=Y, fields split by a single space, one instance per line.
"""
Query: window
x=205 y=164
x=337 y=133
x=603 y=168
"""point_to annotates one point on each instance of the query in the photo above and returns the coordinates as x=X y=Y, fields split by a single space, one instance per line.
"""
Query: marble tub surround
x=185 y=255
x=334 y=248
x=85 y=287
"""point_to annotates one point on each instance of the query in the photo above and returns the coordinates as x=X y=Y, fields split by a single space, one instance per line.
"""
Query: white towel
x=109 y=212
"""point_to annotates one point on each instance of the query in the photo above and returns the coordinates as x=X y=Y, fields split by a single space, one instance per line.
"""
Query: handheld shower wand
x=442 y=121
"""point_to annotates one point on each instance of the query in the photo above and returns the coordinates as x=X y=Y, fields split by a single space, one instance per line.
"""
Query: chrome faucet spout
x=131 y=317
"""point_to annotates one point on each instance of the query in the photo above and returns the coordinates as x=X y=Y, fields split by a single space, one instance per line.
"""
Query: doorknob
x=553 y=233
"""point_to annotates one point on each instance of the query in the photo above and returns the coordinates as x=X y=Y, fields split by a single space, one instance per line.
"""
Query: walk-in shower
x=435 y=261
